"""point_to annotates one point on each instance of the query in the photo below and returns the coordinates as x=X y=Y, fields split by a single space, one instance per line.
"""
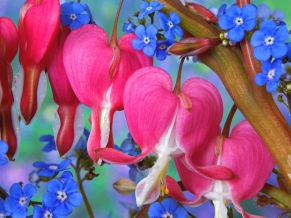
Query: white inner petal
x=17 y=88
x=22 y=200
x=269 y=40
x=271 y=74
x=16 y=127
x=62 y=196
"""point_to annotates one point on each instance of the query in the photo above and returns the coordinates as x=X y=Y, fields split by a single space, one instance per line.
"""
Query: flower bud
x=124 y=186
x=192 y=46
x=201 y=11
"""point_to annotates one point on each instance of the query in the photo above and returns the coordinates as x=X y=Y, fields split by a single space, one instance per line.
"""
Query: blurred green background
x=103 y=198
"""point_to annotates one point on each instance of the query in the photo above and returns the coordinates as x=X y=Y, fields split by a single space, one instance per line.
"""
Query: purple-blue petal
x=137 y=44
x=3 y=160
x=11 y=204
x=75 y=199
x=178 y=31
x=141 y=14
x=140 y=31
x=3 y=147
x=50 y=199
x=234 y=11
x=70 y=186
x=54 y=185
x=66 y=8
x=127 y=145
x=63 y=209
x=39 y=164
x=249 y=24
x=16 y=191
x=261 y=79
x=29 y=190
x=143 y=5
x=180 y=212
x=51 y=146
x=262 y=53
x=163 y=21
x=156 y=210
x=46 y=138
x=249 y=11
x=152 y=31
x=65 y=19
x=46 y=173
x=289 y=51
x=226 y=22
x=279 y=49
x=132 y=173
x=272 y=86
x=64 y=164
x=150 y=49
x=77 y=8
x=268 y=27
x=258 y=38
x=169 y=205
x=278 y=15
x=266 y=66
x=21 y=213
x=175 y=18
x=236 y=34
x=282 y=33
x=83 y=18
x=37 y=211
x=75 y=24
x=263 y=12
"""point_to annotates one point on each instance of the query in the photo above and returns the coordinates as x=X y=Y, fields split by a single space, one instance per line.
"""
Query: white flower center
x=47 y=214
x=271 y=74
x=170 y=24
x=62 y=196
x=73 y=16
x=167 y=215
x=146 y=40
x=239 y=21
x=149 y=8
x=53 y=167
x=22 y=200
x=269 y=40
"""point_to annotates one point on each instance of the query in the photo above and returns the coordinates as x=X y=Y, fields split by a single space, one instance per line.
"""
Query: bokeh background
x=103 y=198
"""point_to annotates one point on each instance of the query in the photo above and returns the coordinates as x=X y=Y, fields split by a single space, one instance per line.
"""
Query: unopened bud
x=288 y=86
x=201 y=11
x=124 y=186
x=225 y=42
x=261 y=200
x=192 y=46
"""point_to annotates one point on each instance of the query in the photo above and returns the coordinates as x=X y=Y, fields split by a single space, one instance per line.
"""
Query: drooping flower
x=148 y=8
x=271 y=73
x=68 y=123
x=9 y=122
x=49 y=170
x=238 y=20
x=72 y=15
x=104 y=80
x=166 y=124
x=263 y=12
x=241 y=153
x=62 y=196
x=18 y=200
x=167 y=208
x=128 y=27
x=146 y=40
x=201 y=11
x=170 y=25
x=50 y=143
x=37 y=34
x=269 y=41
x=3 y=150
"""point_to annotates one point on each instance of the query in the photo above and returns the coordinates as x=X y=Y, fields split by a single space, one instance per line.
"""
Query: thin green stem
x=113 y=41
x=32 y=203
x=277 y=172
x=278 y=194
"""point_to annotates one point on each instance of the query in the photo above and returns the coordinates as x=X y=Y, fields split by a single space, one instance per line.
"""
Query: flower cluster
x=150 y=39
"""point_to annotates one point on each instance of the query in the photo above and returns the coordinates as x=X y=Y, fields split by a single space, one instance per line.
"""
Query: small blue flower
x=146 y=40
x=263 y=12
x=269 y=40
x=238 y=20
x=270 y=75
x=49 y=170
x=148 y=8
x=66 y=175
x=18 y=200
x=73 y=15
x=128 y=27
x=167 y=208
x=170 y=25
x=3 y=150
x=3 y=213
x=62 y=196
x=50 y=145
x=45 y=212
x=278 y=16
x=87 y=9
x=218 y=12
x=161 y=51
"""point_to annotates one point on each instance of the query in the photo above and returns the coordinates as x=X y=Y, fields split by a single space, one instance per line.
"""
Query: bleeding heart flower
x=245 y=154
x=168 y=124
x=68 y=123
x=98 y=73
x=9 y=122
x=38 y=27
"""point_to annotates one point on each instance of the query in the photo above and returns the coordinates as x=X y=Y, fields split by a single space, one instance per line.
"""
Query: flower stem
x=178 y=81
x=77 y=169
x=227 y=124
x=278 y=194
x=31 y=203
x=113 y=41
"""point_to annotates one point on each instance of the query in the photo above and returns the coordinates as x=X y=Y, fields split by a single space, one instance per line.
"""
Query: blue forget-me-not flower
x=50 y=143
x=146 y=39
x=18 y=200
x=49 y=170
x=128 y=27
x=238 y=20
x=218 y=12
x=161 y=51
x=45 y=212
x=269 y=41
x=148 y=8
x=170 y=25
x=167 y=208
x=3 y=212
x=271 y=73
x=72 y=15
x=3 y=150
